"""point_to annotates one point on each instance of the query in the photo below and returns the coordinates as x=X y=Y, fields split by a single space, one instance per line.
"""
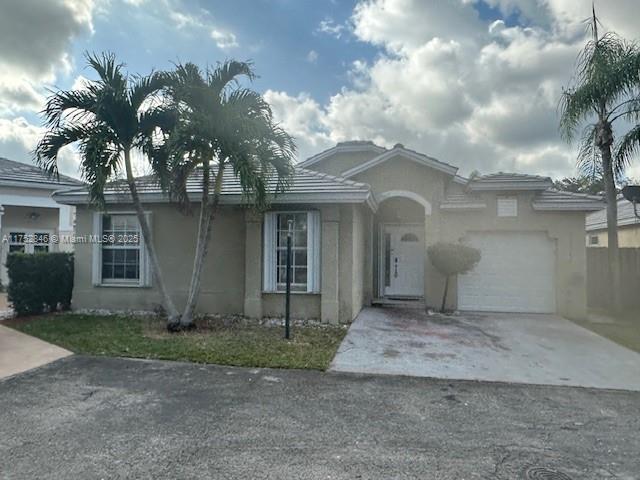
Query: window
x=120 y=248
x=29 y=242
x=119 y=253
x=507 y=207
x=594 y=240
x=305 y=251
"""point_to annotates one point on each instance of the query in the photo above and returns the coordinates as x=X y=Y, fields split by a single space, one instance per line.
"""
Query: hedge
x=39 y=282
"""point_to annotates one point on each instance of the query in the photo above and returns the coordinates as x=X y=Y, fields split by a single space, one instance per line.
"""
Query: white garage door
x=516 y=274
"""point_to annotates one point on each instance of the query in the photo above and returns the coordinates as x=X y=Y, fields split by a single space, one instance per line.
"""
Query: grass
x=624 y=330
x=238 y=342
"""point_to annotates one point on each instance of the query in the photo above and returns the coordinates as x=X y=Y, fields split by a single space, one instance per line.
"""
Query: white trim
x=559 y=207
x=29 y=201
x=268 y=254
x=81 y=198
x=145 y=272
x=463 y=206
x=406 y=194
x=313 y=244
x=363 y=147
x=41 y=185
x=508 y=185
x=403 y=152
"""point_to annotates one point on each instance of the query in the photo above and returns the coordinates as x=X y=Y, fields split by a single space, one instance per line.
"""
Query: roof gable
x=400 y=151
x=343 y=147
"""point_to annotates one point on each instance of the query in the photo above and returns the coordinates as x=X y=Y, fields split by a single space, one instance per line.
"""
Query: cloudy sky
x=474 y=83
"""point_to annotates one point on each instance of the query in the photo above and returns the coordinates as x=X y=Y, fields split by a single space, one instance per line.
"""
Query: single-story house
x=30 y=219
x=628 y=226
x=363 y=218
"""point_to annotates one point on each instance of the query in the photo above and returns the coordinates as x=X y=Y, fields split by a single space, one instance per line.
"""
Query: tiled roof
x=12 y=171
x=306 y=186
x=510 y=181
x=559 y=200
x=626 y=216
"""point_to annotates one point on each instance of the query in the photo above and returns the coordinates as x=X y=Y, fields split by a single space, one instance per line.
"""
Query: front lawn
x=624 y=330
x=226 y=342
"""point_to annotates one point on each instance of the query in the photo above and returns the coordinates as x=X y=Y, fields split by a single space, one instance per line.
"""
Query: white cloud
x=312 y=56
x=18 y=139
x=329 y=27
x=224 y=40
x=477 y=94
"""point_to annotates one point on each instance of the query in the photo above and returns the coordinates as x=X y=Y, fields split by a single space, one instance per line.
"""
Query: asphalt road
x=91 y=418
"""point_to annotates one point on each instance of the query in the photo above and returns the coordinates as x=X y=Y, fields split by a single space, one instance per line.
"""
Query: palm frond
x=227 y=73
x=47 y=149
x=74 y=105
x=627 y=149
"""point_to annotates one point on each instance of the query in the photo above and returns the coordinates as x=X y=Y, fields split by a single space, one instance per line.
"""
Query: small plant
x=452 y=259
x=39 y=282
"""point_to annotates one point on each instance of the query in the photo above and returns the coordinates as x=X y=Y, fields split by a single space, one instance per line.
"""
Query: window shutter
x=96 y=250
x=146 y=272
x=269 y=252
x=313 y=252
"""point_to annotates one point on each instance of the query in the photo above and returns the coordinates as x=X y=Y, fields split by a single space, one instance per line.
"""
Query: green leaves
x=453 y=258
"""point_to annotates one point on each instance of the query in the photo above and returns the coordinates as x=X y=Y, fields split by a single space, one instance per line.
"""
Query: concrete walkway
x=517 y=348
x=20 y=352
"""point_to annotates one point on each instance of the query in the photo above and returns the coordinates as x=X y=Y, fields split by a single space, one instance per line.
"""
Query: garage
x=516 y=273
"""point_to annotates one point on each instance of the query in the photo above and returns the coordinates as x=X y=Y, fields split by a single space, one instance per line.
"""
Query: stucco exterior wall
x=174 y=236
x=566 y=228
x=628 y=237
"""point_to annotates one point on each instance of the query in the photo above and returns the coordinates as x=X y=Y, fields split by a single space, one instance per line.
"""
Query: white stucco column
x=253 y=265
x=3 y=270
x=330 y=284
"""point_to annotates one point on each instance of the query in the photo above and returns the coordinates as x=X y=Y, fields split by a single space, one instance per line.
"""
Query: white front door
x=403 y=260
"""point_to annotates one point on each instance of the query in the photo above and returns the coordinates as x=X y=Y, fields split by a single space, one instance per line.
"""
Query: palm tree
x=108 y=119
x=605 y=93
x=223 y=127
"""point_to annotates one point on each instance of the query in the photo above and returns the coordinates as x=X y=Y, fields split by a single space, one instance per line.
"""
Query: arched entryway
x=400 y=245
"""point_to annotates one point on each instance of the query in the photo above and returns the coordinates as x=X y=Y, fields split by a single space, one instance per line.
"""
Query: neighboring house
x=29 y=217
x=363 y=217
x=628 y=226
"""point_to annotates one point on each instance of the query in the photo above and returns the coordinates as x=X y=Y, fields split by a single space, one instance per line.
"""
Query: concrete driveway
x=20 y=352
x=92 y=418
x=518 y=348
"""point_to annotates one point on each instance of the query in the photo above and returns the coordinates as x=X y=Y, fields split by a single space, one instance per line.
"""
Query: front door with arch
x=402 y=260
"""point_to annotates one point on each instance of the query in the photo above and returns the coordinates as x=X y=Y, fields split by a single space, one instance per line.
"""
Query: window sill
x=264 y=292
x=121 y=285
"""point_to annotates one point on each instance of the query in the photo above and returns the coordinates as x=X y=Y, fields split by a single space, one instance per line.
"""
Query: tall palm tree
x=223 y=127
x=108 y=119
x=605 y=92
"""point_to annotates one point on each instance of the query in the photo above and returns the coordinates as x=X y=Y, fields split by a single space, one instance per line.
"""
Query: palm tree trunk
x=208 y=211
x=612 y=228
x=172 y=311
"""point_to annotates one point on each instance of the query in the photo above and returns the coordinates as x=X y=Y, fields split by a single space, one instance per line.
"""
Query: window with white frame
x=119 y=253
x=29 y=242
x=507 y=206
x=305 y=251
x=594 y=240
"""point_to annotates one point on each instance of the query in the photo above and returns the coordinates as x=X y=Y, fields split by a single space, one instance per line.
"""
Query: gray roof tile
x=12 y=171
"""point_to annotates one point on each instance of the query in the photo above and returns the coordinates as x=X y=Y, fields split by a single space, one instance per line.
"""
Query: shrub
x=40 y=282
x=452 y=259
